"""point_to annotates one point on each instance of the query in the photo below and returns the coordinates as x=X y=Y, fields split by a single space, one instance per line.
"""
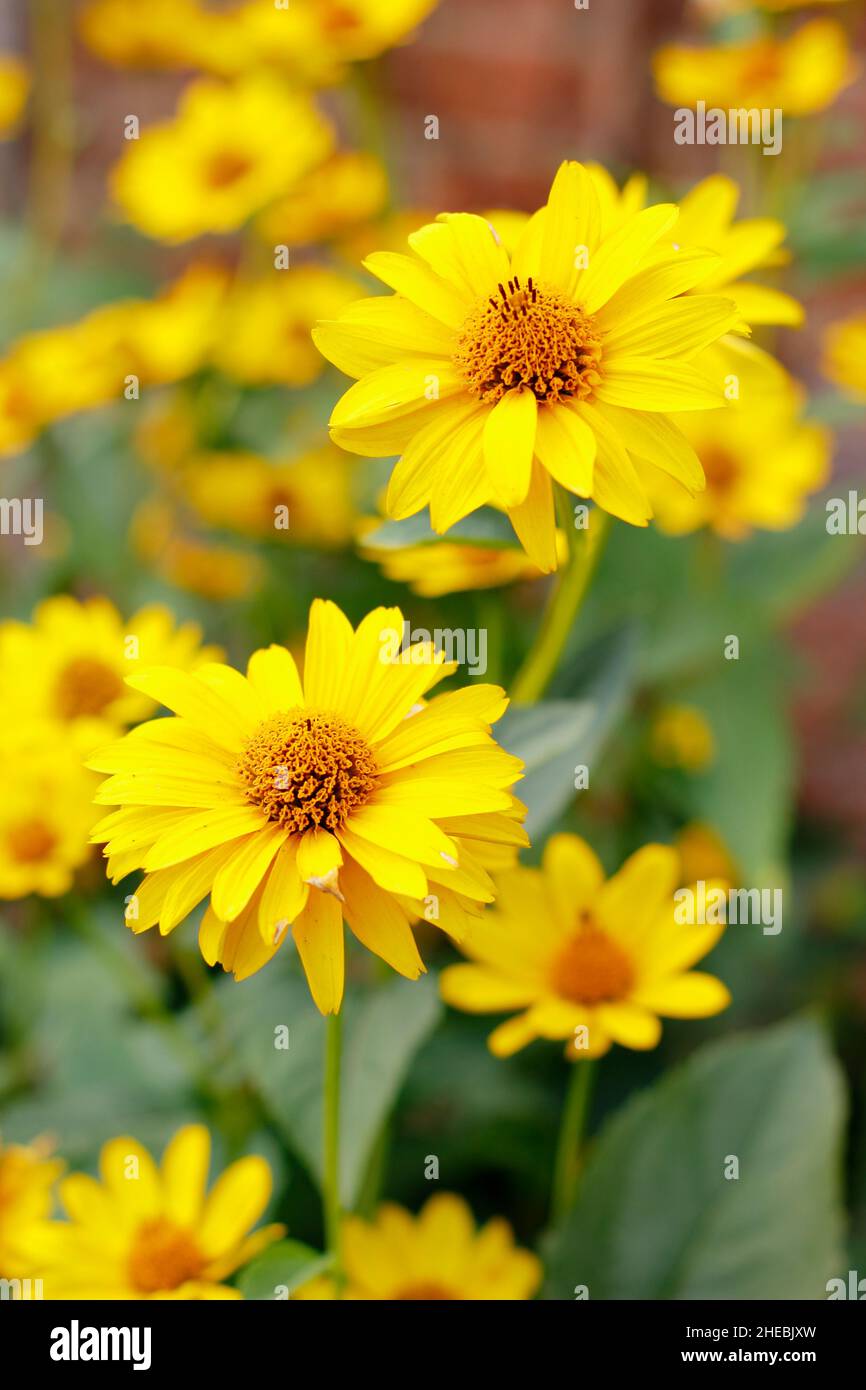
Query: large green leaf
x=657 y=1218
x=280 y=1270
x=383 y=1027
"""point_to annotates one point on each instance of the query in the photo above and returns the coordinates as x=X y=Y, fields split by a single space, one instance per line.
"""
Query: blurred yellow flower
x=495 y=375
x=681 y=737
x=265 y=331
x=142 y=1232
x=172 y=335
x=231 y=149
x=798 y=75
x=844 y=358
x=585 y=959
x=348 y=190
x=437 y=1255
x=70 y=663
x=14 y=90
x=299 y=804
x=704 y=855
x=450 y=568
x=307 y=499
x=27 y=1178
x=169 y=34
x=46 y=812
x=188 y=562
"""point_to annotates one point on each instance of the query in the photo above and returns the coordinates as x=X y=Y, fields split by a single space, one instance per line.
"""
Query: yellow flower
x=681 y=737
x=172 y=34
x=27 y=1178
x=760 y=457
x=171 y=336
x=704 y=854
x=231 y=149
x=586 y=959
x=798 y=75
x=496 y=374
x=198 y=566
x=845 y=355
x=14 y=90
x=305 y=499
x=346 y=191
x=266 y=325
x=46 y=808
x=437 y=1255
x=450 y=568
x=297 y=803
x=142 y=1232
x=69 y=664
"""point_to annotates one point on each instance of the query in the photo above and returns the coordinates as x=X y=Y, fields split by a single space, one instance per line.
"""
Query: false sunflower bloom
x=844 y=361
x=584 y=959
x=434 y=1256
x=495 y=374
x=301 y=803
x=27 y=1177
x=140 y=1231
x=46 y=808
x=14 y=89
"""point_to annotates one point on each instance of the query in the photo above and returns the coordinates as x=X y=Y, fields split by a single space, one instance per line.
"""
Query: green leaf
x=383 y=1028
x=486 y=527
x=555 y=736
x=280 y=1270
x=657 y=1218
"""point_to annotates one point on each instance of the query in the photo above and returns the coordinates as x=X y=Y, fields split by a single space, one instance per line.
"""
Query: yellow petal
x=534 y=520
x=318 y=934
x=509 y=438
x=566 y=446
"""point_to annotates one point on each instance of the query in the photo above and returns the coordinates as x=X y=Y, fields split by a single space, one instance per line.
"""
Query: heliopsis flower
x=761 y=460
x=494 y=375
x=46 y=807
x=69 y=664
x=14 y=89
x=140 y=1231
x=348 y=190
x=163 y=34
x=59 y=371
x=450 y=568
x=680 y=737
x=231 y=149
x=437 y=1255
x=172 y=335
x=188 y=561
x=27 y=1177
x=704 y=854
x=300 y=803
x=844 y=359
x=266 y=325
x=589 y=960
x=799 y=74
x=307 y=499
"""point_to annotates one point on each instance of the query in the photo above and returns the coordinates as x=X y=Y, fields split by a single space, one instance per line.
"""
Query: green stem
x=571 y=585
x=331 y=1176
x=574 y=1117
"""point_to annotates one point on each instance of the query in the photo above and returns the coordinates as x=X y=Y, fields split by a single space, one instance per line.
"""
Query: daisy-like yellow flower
x=761 y=460
x=163 y=34
x=300 y=803
x=231 y=149
x=345 y=192
x=188 y=561
x=307 y=499
x=434 y=1256
x=140 y=1231
x=172 y=335
x=844 y=360
x=681 y=737
x=14 y=89
x=451 y=568
x=585 y=959
x=27 y=1177
x=46 y=807
x=70 y=663
x=495 y=374
x=266 y=324
x=799 y=75
x=704 y=855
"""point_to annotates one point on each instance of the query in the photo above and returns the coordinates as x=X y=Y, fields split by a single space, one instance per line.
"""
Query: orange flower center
x=86 y=686
x=424 y=1293
x=227 y=168
x=532 y=337
x=163 y=1257
x=306 y=769
x=592 y=969
x=720 y=468
x=30 y=841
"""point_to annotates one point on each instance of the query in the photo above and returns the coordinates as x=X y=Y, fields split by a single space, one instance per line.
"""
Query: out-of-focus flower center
x=227 y=168
x=592 y=969
x=720 y=468
x=86 y=686
x=307 y=769
x=533 y=337
x=163 y=1257
x=424 y=1293
x=30 y=841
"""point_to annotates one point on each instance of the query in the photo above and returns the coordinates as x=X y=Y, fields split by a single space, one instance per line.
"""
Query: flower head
x=681 y=737
x=434 y=1256
x=844 y=359
x=14 y=89
x=298 y=803
x=495 y=373
x=140 y=1231
x=46 y=808
x=585 y=959
x=27 y=1178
